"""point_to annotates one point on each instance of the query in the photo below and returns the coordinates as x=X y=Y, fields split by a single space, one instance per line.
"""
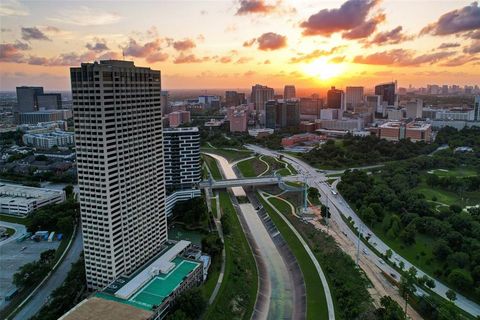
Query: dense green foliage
x=10 y=138
x=193 y=213
x=65 y=297
x=58 y=217
x=389 y=202
x=358 y=151
x=467 y=137
x=188 y=305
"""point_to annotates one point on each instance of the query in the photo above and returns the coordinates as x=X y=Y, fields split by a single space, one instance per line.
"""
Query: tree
x=190 y=302
x=407 y=285
x=68 y=190
x=461 y=278
x=47 y=256
x=390 y=310
x=313 y=193
x=388 y=254
x=451 y=295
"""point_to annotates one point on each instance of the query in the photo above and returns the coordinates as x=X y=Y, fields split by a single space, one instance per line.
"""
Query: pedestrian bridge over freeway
x=255 y=181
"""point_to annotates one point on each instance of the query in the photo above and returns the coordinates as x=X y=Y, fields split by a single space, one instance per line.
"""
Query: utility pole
x=327 y=214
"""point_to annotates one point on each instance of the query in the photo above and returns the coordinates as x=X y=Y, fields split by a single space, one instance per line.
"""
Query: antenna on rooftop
x=123 y=54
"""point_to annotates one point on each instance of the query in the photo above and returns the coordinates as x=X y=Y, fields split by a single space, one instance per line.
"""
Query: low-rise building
x=149 y=292
x=397 y=130
x=306 y=138
x=20 y=200
x=49 y=139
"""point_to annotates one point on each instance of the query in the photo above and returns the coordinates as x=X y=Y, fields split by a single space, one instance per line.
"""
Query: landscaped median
x=317 y=307
x=237 y=295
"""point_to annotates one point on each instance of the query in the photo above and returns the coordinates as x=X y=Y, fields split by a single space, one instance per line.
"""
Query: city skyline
x=235 y=44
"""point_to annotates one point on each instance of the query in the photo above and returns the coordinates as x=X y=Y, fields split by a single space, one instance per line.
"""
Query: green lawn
x=12 y=219
x=316 y=302
x=237 y=295
x=448 y=197
x=458 y=172
x=251 y=167
x=212 y=165
x=230 y=155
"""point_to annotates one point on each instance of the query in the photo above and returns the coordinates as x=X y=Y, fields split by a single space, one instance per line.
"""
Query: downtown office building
x=119 y=144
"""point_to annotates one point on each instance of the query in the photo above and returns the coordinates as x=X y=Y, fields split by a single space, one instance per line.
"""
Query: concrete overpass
x=254 y=181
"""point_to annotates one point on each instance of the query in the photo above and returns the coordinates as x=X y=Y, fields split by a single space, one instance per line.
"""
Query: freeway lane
x=318 y=180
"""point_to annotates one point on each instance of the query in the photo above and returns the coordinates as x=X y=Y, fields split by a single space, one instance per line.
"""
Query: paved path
x=55 y=280
x=218 y=223
x=20 y=230
x=317 y=179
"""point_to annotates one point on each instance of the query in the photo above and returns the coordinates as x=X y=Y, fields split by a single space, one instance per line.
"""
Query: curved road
x=54 y=281
x=20 y=230
x=340 y=206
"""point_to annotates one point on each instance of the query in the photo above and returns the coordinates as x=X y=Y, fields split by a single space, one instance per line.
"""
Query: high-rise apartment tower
x=119 y=145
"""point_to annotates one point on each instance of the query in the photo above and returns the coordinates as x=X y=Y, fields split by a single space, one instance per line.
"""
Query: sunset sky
x=234 y=44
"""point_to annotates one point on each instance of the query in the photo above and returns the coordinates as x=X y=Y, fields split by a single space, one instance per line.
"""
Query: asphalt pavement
x=54 y=281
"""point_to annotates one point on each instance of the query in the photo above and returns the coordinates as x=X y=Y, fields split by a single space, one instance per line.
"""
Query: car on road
x=393 y=275
x=381 y=261
x=365 y=252
x=23 y=248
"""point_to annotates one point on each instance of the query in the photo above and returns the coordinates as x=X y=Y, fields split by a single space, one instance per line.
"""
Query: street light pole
x=358 y=243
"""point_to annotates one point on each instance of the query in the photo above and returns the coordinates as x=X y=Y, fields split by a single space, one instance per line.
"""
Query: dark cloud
x=110 y=55
x=254 y=7
x=393 y=36
x=190 y=58
x=459 y=20
x=183 y=45
x=151 y=51
x=459 y=61
x=352 y=14
x=34 y=33
x=249 y=43
x=13 y=52
x=365 y=29
x=402 y=57
x=72 y=59
x=447 y=45
x=38 y=61
x=271 y=41
x=307 y=57
x=473 y=48
x=473 y=35
x=97 y=46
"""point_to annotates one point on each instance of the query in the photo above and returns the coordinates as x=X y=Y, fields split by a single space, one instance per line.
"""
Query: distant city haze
x=234 y=44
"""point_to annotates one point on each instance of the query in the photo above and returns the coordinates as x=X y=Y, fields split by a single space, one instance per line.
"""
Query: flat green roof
x=159 y=287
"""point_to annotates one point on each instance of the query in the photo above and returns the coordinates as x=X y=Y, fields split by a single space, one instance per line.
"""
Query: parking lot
x=13 y=255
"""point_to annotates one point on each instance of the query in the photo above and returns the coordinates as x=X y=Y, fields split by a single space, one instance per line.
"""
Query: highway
x=338 y=206
x=55 y=280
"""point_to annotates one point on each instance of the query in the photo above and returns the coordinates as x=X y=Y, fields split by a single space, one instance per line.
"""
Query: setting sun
x=322 y=69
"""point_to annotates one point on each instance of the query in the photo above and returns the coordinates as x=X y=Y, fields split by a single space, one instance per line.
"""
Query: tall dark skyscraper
x=119 y=145
x=27 y=100
x=49 y=101
x=335 y=98
x=387 y=92
x=282 y=113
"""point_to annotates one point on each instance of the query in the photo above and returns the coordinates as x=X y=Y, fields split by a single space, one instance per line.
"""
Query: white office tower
x=414 y=109
x=353 y=98
x=119 y=145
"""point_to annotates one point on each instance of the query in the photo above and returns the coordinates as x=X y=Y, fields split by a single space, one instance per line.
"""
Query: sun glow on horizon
x=322 y=69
